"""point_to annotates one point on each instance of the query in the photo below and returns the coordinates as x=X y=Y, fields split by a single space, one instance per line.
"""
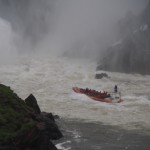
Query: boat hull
x=97 y=98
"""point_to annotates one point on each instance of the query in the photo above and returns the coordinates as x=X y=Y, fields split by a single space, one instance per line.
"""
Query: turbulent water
x=51 y=80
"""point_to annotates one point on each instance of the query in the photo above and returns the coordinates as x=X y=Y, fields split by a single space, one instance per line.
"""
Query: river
x=51 y=78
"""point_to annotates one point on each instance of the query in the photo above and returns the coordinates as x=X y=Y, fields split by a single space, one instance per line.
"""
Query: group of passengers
x=95 y=93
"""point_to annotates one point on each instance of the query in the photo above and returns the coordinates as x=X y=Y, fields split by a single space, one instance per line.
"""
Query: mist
x=8 y=50
x=80 y=27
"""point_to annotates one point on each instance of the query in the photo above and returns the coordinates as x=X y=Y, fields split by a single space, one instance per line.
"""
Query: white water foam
x=60 y=146
x=51 y=80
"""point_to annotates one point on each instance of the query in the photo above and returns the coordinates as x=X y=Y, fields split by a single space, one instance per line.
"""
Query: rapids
x=51 y=79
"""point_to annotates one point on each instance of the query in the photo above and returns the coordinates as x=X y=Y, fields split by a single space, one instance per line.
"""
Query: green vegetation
x=15 y=115
x=6 y=91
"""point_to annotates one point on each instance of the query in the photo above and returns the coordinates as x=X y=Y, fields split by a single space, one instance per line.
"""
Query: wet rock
x=130 y=53
x=101 y=75
x=43 y=143
x=49 y=126
x=32 y=102
x=22 y=124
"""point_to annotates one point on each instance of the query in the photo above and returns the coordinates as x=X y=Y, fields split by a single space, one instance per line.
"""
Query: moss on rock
x=15 y=115
x=23 y=125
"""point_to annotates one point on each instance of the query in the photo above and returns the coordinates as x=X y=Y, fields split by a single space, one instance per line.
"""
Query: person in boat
x=86 y=90
x=115 y=89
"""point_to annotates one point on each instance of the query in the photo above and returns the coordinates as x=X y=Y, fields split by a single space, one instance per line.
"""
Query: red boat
x=99 y=96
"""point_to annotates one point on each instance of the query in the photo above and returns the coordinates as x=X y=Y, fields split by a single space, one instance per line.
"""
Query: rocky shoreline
x=22 y=124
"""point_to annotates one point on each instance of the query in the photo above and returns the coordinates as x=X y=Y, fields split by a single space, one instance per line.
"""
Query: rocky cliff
x=22 y=124
x=131 y=52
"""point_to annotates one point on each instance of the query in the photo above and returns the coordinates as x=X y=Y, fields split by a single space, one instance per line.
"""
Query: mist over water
x=41 y=29
x=55 y=26
x=7 y=48
x=51 y=80
x=35 y=37
x=51 y=27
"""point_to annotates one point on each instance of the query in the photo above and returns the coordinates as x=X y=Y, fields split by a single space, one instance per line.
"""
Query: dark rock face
x=48 y=126
x=43 y=143
x=32 y=102
x=131 y=52
x=23 y=126
x=101 y=75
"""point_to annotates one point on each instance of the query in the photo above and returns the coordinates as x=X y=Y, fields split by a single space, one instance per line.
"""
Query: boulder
x=32 y=102
x=101 y=75
x=48 y=125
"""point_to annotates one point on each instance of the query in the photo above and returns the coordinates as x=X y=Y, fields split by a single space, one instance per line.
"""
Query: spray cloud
x=57 y=26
